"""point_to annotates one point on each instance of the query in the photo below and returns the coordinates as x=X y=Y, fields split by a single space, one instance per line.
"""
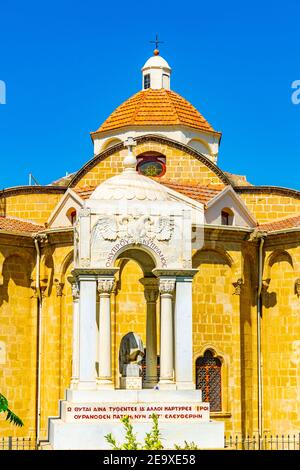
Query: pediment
x=228 y=199
x=60 y=216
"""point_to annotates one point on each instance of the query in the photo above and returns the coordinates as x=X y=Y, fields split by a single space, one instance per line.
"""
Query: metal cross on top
x=156 y=42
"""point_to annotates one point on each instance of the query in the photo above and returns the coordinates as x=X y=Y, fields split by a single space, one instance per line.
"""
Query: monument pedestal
x=87 y=416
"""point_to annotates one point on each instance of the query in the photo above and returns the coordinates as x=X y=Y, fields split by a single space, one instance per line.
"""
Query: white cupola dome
x=156 y=73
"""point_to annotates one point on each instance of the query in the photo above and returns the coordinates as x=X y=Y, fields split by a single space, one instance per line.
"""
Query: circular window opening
x=151 y=164
x=151 y=168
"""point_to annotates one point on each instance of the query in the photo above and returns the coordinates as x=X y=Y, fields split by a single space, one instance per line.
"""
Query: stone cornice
x=268 y=190
x=19 y=190
x=227 y=233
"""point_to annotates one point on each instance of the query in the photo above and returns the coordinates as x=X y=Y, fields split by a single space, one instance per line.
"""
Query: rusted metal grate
x=265 y=442
x=17 y=443
x=208 y=379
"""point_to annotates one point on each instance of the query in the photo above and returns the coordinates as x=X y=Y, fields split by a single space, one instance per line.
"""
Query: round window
x=152 y=168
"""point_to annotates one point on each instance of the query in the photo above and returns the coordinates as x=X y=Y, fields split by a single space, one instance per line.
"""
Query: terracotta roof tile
x=155 y=108
x=198 y=192
x=291 y=222
x=17 y=225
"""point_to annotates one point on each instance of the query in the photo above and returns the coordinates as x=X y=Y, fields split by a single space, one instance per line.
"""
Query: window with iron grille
x=208 y=379
x=147 y=81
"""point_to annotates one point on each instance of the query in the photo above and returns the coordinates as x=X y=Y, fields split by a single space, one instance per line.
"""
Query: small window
x=166 y=81
x=208 y=380
x=147 y=81
x=151 y=164
x=226 y=217
x=71 y=214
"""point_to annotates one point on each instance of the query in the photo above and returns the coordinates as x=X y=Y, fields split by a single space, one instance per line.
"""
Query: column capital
x=106 y=285
x=167 y=286
x=151 y=290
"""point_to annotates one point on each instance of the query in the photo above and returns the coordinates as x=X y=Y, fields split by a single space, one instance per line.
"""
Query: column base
x=185 y=386
x=104 y=384
x=74 y=384
x=82 y=385
x=150 y=383
x=166 y=385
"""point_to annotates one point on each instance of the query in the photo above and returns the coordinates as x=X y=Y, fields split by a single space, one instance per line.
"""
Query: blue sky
x=68 y=64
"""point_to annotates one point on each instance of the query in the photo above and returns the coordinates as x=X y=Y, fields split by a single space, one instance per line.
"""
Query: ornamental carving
x=106 y=286
x=75 y=290
x=133 y=227
x=150 y=289
x=238 y=286
x=59 y=287
x=166 y=286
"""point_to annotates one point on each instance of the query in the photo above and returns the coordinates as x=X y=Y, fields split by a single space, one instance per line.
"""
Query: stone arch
x=18 y=331
x=143 y=256
x=277 y=256
x=67 y=261
x=128 y=304
x=157 y=142
x=224 y=256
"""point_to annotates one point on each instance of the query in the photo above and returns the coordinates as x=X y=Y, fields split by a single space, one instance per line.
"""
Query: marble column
x=104 y=379
x=75 y=339
x=87 y=332
x=183 y=334
x=151 y=295
x=166 y=288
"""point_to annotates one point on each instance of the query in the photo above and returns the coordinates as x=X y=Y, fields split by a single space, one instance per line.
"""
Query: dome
x=156 y=61
x=155 y=107
x=130 y=186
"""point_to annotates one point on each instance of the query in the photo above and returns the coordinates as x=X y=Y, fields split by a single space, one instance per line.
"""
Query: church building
x=151 y=237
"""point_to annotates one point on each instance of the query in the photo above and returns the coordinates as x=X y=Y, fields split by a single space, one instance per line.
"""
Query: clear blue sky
x=68 y=64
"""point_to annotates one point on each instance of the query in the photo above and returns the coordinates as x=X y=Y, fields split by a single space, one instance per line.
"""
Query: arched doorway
x=135 y=309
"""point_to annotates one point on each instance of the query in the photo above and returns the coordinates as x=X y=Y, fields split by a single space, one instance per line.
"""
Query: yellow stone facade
x=225 y=292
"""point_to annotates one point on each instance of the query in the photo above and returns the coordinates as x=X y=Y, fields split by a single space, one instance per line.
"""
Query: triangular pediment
x=61 y=216
x=229 y=200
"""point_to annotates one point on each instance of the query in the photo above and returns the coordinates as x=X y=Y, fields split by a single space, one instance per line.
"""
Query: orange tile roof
x=155 y=108
x=198 y=192
x=17 y=225
x=291 y=222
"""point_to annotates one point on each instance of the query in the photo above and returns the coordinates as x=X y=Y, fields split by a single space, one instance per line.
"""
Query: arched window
x=226 y=216
x=208 y=379
x=71 y=214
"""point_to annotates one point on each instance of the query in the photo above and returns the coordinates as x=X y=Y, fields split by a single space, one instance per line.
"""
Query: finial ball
x=156 y=52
